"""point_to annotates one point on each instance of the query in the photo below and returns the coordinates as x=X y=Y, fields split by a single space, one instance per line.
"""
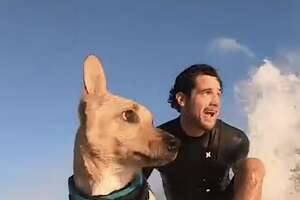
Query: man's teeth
x=210 y=113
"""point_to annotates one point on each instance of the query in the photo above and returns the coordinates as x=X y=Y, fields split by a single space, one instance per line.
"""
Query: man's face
x=203 y=106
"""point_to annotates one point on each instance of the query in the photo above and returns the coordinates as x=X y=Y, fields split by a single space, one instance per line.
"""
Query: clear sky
x=143 y=45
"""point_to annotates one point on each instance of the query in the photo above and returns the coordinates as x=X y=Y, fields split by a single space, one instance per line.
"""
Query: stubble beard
x=200 y=124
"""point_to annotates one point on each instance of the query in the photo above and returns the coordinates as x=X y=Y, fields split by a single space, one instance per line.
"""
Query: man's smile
x=210 y=113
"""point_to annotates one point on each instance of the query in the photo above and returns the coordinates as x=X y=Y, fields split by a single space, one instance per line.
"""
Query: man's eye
x=130 y=116
x=207 y=92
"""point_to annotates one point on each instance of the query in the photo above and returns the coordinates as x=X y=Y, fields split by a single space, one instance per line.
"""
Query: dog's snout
x=173 y=145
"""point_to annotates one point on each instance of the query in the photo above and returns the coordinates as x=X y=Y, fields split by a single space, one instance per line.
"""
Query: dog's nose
x=173 y=145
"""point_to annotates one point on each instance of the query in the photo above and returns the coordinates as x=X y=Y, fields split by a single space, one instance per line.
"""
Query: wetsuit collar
x=134 y=185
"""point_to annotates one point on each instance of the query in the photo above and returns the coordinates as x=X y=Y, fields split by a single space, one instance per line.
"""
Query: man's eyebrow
x=210 y=89
x=206 y=89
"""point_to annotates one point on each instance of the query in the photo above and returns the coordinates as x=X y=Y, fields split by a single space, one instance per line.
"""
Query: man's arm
x=248 y=180
x=248 y=174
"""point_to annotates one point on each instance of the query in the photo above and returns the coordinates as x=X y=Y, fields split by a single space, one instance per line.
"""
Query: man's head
x=196 y=94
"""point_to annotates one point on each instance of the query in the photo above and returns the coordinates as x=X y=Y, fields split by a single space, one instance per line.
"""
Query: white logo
x=208 y=154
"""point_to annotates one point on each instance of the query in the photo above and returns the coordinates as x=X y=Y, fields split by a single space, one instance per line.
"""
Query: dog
x=115 y=140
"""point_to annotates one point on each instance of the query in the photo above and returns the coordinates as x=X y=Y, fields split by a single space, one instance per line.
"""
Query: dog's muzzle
x=173 y=145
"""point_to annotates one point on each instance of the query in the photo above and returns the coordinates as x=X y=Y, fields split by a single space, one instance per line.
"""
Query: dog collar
x=75 y=194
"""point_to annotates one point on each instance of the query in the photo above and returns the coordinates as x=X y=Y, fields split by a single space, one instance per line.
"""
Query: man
x=210 y=148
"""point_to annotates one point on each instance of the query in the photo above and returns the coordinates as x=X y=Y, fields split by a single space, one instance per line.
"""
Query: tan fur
x=116 y=137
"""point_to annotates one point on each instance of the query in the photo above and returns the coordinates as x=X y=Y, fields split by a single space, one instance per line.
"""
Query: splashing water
x=271 y=99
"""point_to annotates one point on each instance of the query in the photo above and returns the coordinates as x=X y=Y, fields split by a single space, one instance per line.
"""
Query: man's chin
x=208 y=125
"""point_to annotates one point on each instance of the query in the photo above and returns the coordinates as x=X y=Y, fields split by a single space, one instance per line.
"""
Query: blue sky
x=143 y=45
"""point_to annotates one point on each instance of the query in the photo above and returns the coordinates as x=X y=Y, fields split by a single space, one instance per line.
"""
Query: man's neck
x=190 y=128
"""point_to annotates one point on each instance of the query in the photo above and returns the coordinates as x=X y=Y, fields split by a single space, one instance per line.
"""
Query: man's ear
x=181 y=99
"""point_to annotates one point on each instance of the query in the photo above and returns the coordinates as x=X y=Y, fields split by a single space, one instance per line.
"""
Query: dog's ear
x=93 y=76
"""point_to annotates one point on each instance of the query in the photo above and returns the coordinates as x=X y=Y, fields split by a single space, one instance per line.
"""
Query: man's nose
x=215 y=101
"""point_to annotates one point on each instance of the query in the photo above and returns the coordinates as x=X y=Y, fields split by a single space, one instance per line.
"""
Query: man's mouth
x=210 y=113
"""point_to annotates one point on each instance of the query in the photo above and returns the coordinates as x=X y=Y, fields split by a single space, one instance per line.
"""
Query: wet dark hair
x=185 y=81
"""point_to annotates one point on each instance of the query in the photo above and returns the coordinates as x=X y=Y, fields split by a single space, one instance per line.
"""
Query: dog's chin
x=154 y=159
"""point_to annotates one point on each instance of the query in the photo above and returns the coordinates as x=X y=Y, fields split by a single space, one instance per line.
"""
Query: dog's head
x=116 y=129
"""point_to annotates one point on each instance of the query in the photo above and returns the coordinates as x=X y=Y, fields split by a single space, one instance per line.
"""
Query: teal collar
x=76 y=195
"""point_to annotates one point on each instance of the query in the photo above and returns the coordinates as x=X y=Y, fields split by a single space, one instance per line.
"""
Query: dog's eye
x=130 y=116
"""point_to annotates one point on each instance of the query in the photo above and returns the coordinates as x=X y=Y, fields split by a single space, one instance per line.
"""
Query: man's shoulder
x=232 y=132
x=171 y=126
x=234 y=143
x=169 y=123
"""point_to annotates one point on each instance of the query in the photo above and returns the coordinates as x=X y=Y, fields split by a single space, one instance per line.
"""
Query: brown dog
x=115 y=140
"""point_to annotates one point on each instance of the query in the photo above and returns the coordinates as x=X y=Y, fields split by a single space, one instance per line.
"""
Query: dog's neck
x=96 y=177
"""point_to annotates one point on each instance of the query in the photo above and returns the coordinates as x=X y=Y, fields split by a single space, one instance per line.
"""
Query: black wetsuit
x=201 y=169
